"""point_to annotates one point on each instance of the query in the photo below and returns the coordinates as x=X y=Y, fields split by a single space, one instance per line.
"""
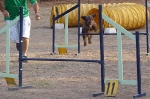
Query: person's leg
x=26 y=35
x=15 y=31
x=25 y=46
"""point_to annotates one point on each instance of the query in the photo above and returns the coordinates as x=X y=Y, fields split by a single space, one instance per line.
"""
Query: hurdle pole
x=138 y=67
x=101 y=53
x=7 y=50
x=146 y=14
x=78 y=26
x=66 y=29
x=20 y=47
x=102 y=49
x=53 y=35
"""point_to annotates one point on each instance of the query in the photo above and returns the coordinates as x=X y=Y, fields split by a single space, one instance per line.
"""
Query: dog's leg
x=94 y=27
x=84 y=39
x=90 y=39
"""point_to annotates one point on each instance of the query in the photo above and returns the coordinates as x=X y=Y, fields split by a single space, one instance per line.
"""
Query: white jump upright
x=3 y=30
x=66 y=43
x=120 y=79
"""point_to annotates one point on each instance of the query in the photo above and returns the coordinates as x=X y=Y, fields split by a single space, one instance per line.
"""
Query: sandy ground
x=71 y=80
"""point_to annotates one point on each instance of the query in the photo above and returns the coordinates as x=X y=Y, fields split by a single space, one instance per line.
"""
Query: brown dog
x=89 y=26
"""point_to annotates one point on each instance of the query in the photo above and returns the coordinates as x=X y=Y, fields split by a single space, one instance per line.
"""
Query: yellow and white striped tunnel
x=128 y=15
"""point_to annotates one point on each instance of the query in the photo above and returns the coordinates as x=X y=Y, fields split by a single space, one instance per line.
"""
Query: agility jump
x=101 y=61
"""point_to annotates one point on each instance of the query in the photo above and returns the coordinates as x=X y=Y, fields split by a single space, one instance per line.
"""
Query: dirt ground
x=72 y=80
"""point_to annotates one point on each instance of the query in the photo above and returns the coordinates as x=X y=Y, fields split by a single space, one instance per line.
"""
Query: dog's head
x=88 y=19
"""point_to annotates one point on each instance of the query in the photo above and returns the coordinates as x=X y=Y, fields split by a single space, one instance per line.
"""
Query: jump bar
x=53 y=59
x=110 y=34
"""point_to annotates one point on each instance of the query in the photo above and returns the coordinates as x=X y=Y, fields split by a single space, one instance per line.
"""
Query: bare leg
x=25 y=46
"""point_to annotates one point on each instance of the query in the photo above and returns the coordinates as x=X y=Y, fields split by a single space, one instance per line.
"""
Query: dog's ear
x=83 y=17
x=93 y=15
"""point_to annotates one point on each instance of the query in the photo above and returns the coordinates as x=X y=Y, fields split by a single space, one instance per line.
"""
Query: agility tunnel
x=72 y=16
x=128 y=15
